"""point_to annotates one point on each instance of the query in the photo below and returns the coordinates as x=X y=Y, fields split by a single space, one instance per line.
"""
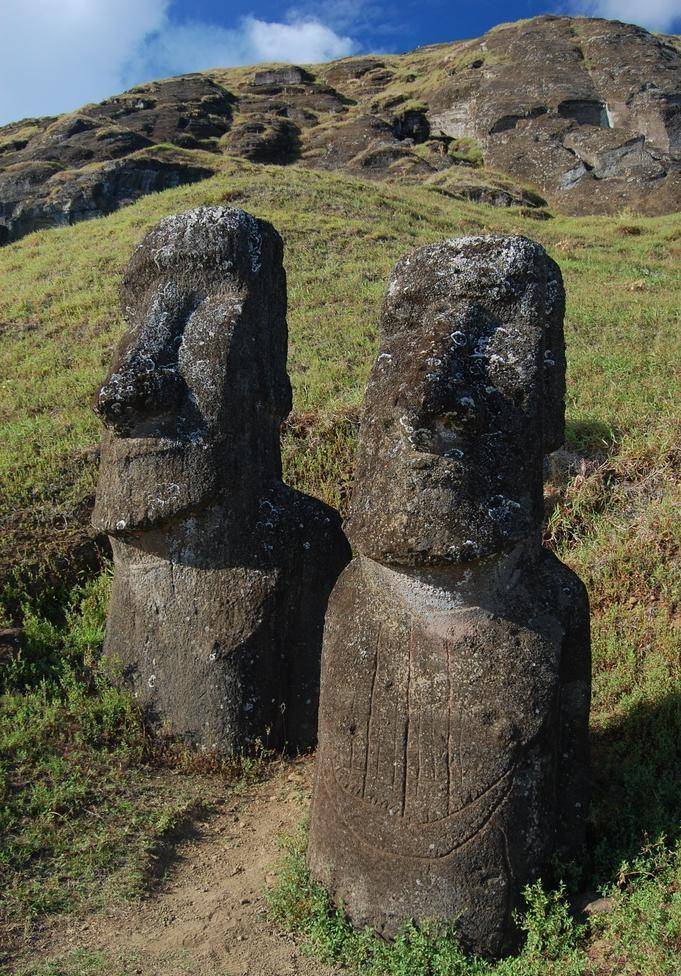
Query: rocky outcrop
x=453 y=725
x=58 y=174
x=584 y=113
x=551 y=99
x=38 y=195
x=476 y=185
x=221 y=571
x=264 y=139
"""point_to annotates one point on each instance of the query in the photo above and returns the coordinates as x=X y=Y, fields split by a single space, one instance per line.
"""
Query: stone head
x=465 y=398
x=198 y=386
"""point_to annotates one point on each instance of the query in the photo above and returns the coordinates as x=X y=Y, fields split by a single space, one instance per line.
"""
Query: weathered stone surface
x=412 y=124
x=54 y=174
x=358 y=76
x=33 y=202
x=222 y=572
x=286 y=75
x=368 y=146
x=585 y=112
x=472 y=338
x=388 y=158
x=337 y=145
x=545 y=92
x=467 y=183
x=453 y=755
x=264 y=139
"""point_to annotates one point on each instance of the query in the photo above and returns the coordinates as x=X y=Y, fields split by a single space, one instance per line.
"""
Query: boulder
x=335 y=146
x=289 y=74
x=264 y=139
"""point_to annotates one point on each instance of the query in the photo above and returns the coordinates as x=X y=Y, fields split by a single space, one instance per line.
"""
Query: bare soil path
x=207 y=916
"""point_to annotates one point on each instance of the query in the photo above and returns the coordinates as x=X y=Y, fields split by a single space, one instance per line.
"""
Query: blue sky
x=59 y=54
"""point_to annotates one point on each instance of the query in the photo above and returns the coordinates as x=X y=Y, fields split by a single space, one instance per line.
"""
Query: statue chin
x=146 y=482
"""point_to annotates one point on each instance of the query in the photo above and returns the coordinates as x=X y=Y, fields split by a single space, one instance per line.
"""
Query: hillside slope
x=60 y=319
x=83 y=805
x=582 y=113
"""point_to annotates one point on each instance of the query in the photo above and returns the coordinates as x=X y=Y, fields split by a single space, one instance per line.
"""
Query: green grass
x=59 y=319
x=465 y=150
x=89 y=807
x=639 y=937
x=77 y=963
x=78 y=807
x=67 y=738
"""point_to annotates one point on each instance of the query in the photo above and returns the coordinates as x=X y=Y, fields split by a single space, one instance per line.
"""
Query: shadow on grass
x=592 y=438
x=636 y=761
x=168 y=850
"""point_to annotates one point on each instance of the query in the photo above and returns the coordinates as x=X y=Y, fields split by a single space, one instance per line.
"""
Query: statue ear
x=554 y=361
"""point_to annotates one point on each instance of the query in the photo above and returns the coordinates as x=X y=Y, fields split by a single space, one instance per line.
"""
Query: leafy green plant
x=639 y=935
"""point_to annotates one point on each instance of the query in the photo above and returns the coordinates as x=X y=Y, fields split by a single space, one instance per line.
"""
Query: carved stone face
x=198 y=386
x=466 y=396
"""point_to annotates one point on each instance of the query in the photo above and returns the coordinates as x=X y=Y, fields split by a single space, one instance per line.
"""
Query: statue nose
x=142 y=384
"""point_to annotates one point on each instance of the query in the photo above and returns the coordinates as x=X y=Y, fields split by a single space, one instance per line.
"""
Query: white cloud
x=193 y=46
x=59 y=54
x=656 y=15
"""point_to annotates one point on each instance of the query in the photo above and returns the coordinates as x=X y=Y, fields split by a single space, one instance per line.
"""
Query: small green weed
x=638 y=935
x=82 y=962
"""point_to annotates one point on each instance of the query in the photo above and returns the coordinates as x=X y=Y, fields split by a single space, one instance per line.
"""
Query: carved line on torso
x=401 y=841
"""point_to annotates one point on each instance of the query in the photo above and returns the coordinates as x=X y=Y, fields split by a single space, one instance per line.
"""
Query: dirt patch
x=207 y=914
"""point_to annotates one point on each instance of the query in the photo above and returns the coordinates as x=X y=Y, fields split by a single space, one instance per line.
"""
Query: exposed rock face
x=222 y=572
x=66 y=197
x=546 y=96
x=288 y=75
x=264 y=139
x=43 y=182
x=586 y=113
x=453 y=754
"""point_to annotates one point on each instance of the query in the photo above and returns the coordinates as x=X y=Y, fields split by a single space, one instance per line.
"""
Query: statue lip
x=140 y=446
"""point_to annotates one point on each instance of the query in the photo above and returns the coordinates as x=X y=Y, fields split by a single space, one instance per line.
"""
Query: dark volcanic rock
x=189 y=111
x=294 y=100
x=39 y=195
x=494 y=193
x=453 y=752
x=264 y=139
x=546 y=93
x=389 y=158
x=412 y=124
x=286 y=75
x=368 y=146
x=336 y=145
x=192 y=112
x=340 y=73
x=586 y=112
x=222 y=572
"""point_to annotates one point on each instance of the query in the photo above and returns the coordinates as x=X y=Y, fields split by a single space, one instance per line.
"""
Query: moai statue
x=453 y=739
x=221 y=572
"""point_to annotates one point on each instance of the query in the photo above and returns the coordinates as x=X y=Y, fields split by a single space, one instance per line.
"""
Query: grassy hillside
x=69 y=743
